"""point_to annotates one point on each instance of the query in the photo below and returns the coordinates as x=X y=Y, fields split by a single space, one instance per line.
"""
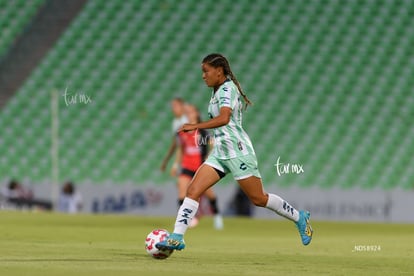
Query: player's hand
x=187 y=127
x=173 y=171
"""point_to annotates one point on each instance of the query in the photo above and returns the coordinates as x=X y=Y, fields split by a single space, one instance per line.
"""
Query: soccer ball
x=152 y=239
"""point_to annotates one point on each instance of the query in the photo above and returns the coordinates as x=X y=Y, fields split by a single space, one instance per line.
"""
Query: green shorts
x=241 y=167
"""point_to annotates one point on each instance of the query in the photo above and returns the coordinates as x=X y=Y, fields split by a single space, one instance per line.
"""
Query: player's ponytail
x=247 y=101
x=218 y=60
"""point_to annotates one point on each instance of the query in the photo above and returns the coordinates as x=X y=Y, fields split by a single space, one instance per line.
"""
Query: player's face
x=191 y=113
x=211 y=75
x=177 y=108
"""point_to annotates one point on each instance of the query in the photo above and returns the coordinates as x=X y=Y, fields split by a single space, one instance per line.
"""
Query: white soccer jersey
x=177 y=123
x=231 y=140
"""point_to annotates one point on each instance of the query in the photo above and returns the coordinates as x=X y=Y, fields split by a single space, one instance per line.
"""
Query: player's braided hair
x=218 y=60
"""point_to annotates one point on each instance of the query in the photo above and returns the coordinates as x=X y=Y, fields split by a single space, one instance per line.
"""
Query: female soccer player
x=233 y=152
x=177 y=108
x=193 y=148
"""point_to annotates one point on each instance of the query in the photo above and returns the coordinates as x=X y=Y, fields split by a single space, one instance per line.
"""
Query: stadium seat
x=15 y=15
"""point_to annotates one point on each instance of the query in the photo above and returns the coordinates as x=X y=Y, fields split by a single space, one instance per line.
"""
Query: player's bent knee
x=193 y=193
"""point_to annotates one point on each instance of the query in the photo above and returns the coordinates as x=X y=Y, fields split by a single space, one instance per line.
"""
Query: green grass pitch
x=56 y=244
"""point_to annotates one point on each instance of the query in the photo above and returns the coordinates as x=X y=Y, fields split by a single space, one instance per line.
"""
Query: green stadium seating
x=15 y=15
x=332 y=83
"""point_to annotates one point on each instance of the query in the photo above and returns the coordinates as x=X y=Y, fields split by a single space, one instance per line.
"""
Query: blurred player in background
x=177 y=108
x=70 y=201
x=233 y=153
x=193 y=148
x=192 y=164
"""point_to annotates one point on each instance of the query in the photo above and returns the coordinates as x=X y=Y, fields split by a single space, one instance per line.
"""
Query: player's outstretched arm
x=171 y=150
x=177 y=162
